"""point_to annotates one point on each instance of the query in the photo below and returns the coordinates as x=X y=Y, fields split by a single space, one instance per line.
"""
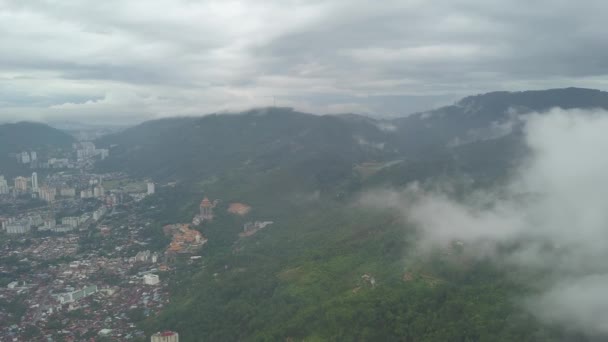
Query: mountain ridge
x=191 y=147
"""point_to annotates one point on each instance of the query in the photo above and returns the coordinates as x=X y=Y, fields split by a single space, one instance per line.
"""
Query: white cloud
x=556 y=199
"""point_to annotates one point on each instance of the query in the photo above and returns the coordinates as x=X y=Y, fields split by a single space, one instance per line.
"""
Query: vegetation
x=27 y=136
x=327 y=269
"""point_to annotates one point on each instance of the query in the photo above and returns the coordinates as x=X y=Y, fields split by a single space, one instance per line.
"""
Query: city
x=52 y=284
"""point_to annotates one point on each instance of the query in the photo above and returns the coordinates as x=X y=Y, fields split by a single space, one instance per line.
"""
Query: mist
x=554 y=208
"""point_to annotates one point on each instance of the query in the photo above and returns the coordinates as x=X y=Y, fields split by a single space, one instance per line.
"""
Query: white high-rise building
x=151 y=188
x=25 y=157
x=3 y=186
x=34 y=182
x=33 y=155
x=17 y=228
x=104 y=153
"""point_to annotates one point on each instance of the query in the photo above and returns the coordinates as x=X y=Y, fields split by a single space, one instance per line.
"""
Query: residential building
x=21 y=184
x=47 y=194
x=67 y=192
x=72 y=221
x=98 y=214
x=62 y=228
x=151 y=188
x=151 y=279
x=165 y=336
x=17 y=228
x=25 y=157
x=103 y=153
x=86 y=193
x=99 y=191
x=34 y=182
x=3 y=186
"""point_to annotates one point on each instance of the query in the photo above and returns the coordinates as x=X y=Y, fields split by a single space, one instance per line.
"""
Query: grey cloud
x=390 y=58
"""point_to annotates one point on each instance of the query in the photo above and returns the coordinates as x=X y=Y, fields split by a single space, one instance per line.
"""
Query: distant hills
x=27 y=136
x=306 y=277
x=185 y=148
x=472 y=130
x=15 y=137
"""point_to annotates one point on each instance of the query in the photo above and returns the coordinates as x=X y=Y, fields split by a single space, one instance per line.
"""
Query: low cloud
x=554 y=208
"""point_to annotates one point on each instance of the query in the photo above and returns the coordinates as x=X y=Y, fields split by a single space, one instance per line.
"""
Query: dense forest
x=330 y=269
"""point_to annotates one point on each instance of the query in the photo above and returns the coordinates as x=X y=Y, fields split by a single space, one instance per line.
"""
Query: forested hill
x=28 y=136
x=15 y=137
x=487 y=116
x=186 y=148
x=327 y=269
x=468 y=131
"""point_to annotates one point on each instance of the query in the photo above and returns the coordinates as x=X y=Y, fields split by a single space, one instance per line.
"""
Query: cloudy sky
x=125 y=61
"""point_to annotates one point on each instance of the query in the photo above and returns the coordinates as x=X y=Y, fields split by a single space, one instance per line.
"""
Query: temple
x=207 y=209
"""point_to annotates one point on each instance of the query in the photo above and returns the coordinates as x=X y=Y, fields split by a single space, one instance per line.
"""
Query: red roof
x=206 y=203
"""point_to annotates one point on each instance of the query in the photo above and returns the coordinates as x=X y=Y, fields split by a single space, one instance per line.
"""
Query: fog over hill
x=551 y=214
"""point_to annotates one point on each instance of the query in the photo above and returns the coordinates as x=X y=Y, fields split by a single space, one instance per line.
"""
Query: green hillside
x=28 y=136
x=308 y=276
x=302 y=278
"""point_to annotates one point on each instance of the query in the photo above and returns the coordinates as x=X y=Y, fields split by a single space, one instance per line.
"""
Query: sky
x=551 y=213
x=128 y=61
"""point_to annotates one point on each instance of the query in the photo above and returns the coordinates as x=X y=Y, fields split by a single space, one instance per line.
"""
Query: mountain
x=257 y=140
x=15 y=137
x=487 y=116
x=470 y=132
x=308 y=276
x=28 y=136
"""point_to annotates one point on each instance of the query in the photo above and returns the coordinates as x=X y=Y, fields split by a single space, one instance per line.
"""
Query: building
x=103 y=153
x=67 y=192
x=99 y=213
x=207 y=209
x=33 y=156
x=151 y=188
x=85 y=150
x=62 y=228
x=34 y=182
x=151 y=279
x=142 y=256
x=76 y=295
x=49 y=224
x=3 y=186
x=251 y=228
x=165 y=336
x=99 y=191
x=73 y=221
x=25 y=157
x=86 y=193
x=239 y=209
x=47 y=194
x=17 y=228
x=21 y=184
